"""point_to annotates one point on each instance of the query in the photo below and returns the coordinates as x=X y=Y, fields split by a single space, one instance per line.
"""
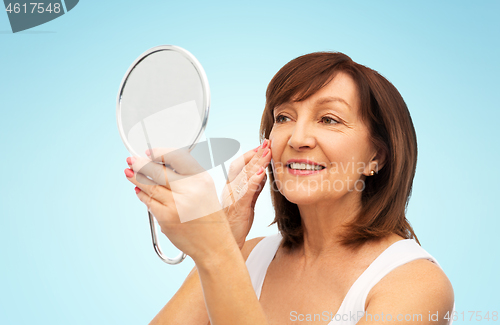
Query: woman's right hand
x=246 y=180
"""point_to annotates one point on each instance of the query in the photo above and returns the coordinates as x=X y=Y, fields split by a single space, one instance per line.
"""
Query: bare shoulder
x=249 y=246
x=419 y=288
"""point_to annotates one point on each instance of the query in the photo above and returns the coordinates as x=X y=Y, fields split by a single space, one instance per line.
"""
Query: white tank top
x=353 y=306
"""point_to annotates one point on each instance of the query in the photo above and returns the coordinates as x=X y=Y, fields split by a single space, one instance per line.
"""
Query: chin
x=303 y=197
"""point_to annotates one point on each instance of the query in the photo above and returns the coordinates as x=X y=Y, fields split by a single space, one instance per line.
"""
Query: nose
x=302 y=137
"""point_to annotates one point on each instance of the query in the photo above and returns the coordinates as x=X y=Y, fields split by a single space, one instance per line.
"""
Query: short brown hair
x=386 y=194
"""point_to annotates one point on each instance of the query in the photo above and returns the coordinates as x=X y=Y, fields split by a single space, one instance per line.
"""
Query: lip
x=304 y=161
x=303 y=172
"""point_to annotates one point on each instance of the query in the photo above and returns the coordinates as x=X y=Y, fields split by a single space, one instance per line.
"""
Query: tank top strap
x=399 y=253
x=259 y=259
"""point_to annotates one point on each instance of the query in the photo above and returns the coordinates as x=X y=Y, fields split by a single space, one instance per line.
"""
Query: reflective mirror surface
x=163 y=101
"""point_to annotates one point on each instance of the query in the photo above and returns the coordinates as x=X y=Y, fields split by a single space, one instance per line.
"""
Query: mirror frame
x=206 y=106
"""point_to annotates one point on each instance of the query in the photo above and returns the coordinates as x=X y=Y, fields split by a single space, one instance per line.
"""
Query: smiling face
x=325 y=129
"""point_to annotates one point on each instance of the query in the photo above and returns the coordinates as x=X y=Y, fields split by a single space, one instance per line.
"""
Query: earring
x=372 y=173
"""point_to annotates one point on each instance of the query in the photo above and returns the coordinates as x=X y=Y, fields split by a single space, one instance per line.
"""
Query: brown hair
x=385 y=197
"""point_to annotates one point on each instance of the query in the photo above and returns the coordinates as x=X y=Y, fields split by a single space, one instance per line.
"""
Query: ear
x=377 y=162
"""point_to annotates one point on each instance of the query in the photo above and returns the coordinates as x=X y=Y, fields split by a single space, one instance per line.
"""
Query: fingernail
x=148 y=153
x=256 y=149
x=265 y=152
x=129 y=172
x=261 y=169
x=137 y=190
x=264 y=144
x=130 y=160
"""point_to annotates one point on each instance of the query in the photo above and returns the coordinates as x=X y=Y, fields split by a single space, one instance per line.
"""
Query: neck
x=322 y=223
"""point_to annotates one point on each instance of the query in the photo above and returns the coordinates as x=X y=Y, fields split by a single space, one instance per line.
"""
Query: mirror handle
x=172 y=261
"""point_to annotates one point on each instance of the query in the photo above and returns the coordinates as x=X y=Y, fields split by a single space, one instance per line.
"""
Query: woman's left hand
x=184 y=201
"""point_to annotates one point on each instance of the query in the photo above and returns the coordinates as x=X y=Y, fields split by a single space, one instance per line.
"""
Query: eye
x=280 y=118
x=329 y=120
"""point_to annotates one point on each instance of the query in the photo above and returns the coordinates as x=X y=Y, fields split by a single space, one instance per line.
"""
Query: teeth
x=305 y=166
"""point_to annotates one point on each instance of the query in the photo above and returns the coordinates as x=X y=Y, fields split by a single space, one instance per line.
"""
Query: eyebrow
x=329 y=99
x=321 y=101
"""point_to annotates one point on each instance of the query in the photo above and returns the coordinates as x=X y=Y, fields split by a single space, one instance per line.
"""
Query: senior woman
x=340 y=149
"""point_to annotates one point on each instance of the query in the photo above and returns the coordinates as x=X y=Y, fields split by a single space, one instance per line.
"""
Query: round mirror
x=163 y=102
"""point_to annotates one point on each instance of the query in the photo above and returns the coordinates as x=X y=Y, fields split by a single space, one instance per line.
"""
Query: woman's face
x=325 y=129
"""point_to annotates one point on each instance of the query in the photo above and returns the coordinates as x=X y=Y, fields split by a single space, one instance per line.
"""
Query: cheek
x=277 y=147
x=360 y=149
x=345 y=155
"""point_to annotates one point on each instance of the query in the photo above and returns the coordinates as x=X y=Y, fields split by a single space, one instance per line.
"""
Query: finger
x=158 y=209
x=236 y=189
x=247 y=161
x=158 y=173
x=262 y=158
x=259 y=189
x=156 y=154
x=141 y=179
x=179 y=159
x=183 y=162
x=237 y=165
x=155 y=191
x=250 y=188
x=255 y=181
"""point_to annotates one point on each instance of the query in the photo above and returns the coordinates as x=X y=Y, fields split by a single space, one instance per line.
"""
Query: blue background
x=75 y=243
